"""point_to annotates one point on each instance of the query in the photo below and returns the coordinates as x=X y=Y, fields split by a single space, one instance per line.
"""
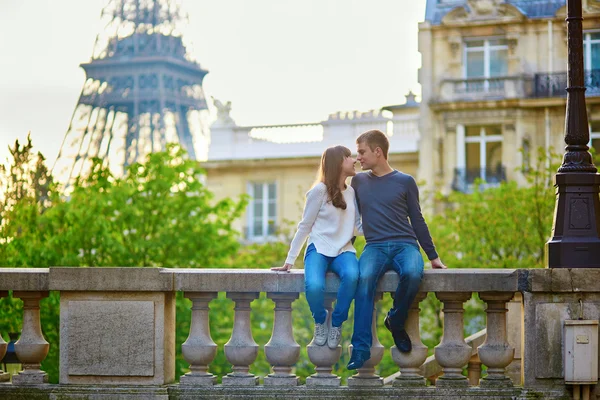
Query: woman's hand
x=286 y=268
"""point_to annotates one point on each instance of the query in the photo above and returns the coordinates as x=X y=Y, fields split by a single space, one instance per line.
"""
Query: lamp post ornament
x=575 y=241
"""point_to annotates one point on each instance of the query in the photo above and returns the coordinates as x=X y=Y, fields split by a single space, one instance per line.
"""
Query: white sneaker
x=321 y=332
x=334 y=337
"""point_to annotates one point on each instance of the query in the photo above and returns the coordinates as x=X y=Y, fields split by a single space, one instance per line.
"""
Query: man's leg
x=371 y=266
x=408 y=263
x=315 y=268
x=346 y=267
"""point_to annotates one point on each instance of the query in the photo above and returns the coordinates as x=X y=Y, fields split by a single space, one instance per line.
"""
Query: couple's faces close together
x=365 y=156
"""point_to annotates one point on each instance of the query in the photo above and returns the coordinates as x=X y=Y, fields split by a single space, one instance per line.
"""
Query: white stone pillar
x=409 y=363
x=31 y=348
x=366 y=375
x=241 y=350
x=282 y=351
x=453 y=353
x=4 y=376
x=199 y=349
x=323 y=357
x=496 y=353
x=461 y=158
x=514 y=319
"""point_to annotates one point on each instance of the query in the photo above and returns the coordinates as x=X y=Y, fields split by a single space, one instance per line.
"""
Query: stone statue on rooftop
x=223 y=110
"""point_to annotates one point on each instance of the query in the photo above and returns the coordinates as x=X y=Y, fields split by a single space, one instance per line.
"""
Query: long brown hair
x=330 y=172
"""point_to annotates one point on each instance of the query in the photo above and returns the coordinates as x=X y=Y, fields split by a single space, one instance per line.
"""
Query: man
x=392 y=222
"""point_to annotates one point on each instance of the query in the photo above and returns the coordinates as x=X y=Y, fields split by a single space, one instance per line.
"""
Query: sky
x=277 y=61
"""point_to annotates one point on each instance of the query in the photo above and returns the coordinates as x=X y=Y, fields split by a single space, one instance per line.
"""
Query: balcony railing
x=555 y=84
x=514 y=87
x=465 y=179
x=117 y=335
x=473 y=89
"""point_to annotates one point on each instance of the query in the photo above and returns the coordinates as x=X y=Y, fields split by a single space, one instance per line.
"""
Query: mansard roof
x=435 y=10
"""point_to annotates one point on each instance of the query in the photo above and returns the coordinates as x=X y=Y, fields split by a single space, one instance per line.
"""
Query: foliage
x=159 y=214
x=499 y=227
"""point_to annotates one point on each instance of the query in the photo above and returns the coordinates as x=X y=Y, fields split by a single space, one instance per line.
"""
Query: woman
x=330 y=220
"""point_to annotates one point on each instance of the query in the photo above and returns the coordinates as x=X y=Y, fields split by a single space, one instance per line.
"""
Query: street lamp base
x=575 y=241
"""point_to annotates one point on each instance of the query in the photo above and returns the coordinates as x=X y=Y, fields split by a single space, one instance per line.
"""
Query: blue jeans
x=404 y=258
x=316 y=266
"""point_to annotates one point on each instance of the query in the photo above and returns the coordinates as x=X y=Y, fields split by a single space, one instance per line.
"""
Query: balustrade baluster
x=409 y=363
x=453 y=353
x=4 y=376
x=474 y=370
x=282 y=351
x=199 y=349
x=323 y=357
x=241 y=349
x=514 y=328
x=496 y=353
x=31 y=348
x=366 y=375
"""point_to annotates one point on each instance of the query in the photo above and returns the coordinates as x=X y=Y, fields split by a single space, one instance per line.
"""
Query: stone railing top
x=259 y=280
x=118 y=279
x=26 y=279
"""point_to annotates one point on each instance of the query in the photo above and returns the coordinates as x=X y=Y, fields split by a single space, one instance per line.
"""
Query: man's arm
x=418 y=222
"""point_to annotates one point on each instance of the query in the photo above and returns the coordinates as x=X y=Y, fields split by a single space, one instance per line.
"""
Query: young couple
x=384 y=203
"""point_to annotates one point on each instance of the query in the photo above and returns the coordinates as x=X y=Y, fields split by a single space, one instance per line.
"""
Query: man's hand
x=438 y=264
x=286 y=267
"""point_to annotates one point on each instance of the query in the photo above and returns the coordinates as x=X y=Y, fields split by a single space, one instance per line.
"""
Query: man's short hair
x=375 y=138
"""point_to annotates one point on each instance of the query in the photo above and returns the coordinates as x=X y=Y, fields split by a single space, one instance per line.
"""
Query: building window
x=483 y=61
x=479 y=156
x=591 y=50
x=262 y=210
x=483 y=150
x=591 y=61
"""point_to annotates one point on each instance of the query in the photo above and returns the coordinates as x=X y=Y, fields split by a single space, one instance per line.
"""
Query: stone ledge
x=80 y=392
x=218 y=392
x=123 y=279
x=24 y=279
x=243 y=280
x=111 y=279
x=562 y=280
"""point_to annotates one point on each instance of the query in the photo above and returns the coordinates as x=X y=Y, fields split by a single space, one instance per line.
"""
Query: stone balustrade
x=117 y=335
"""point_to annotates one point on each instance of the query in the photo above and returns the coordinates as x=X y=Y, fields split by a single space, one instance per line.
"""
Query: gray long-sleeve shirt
x=390 y=210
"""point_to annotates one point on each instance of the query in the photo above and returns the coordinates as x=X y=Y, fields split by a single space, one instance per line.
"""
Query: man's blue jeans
x=404 y=258
x=316 y=266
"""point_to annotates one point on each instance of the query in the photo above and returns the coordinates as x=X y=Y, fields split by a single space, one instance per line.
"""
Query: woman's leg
x=346 y=267
x=315 y=268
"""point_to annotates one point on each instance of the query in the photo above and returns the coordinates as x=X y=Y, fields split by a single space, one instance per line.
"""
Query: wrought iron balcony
x=466 y=178
x=514 y=87
x=555 y=84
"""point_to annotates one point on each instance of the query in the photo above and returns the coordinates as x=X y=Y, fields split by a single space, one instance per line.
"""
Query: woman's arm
x=314 y=200
x=358 y=229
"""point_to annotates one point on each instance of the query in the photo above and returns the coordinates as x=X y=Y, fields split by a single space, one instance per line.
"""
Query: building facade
x=493 y=80
x=276 y=165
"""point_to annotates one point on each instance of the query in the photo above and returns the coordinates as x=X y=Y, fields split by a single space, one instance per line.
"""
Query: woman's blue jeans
x=316 y=266
x=404 y=258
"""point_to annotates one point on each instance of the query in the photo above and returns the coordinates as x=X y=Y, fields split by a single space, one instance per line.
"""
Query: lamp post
x=575 y=241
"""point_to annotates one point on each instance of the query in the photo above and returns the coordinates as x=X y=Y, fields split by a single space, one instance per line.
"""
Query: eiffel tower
x=142 y=90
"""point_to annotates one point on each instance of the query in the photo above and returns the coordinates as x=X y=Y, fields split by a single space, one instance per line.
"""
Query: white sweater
x=329 y=228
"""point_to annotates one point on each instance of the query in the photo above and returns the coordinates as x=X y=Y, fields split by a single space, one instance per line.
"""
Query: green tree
x=158 y=215
x=500 y=227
